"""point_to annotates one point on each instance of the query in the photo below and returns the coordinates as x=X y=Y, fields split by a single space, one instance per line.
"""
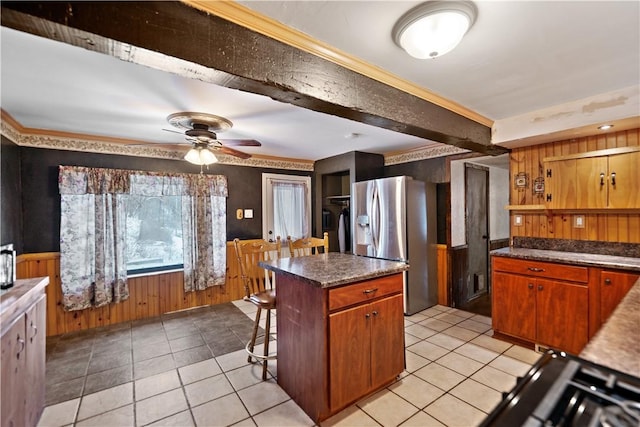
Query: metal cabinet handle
x=22 y=346
x=375 y=313
x=540 y=287
x=367 y=315
x=35 y=331
x=536 y=270
x=530 y=286
x=601 y=179
x=369 y=291
x=613 y=178
x=607 y=281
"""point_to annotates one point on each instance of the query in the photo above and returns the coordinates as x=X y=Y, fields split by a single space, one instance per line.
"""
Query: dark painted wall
x=41 y=200
x=10 y=200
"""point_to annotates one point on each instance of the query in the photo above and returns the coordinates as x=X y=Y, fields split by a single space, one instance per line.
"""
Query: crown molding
x=56 y=140
x=254 y=21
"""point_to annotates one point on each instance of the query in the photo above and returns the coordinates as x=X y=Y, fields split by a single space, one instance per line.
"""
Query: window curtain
x=93 y=269
x=290 y=209
x=93 y=236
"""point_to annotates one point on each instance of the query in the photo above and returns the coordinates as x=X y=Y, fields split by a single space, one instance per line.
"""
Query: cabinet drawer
x=361 y=292
x=541 y=269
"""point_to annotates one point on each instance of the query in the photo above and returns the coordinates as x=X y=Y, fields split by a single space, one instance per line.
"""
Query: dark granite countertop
x=574 y=258
x=616 y=344
x=333 y=269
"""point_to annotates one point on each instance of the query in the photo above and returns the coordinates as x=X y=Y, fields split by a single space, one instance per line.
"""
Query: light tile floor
x=455 y=374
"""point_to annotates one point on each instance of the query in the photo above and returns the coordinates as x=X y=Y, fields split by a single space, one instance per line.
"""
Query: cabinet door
x=560 y=184
x=349 y=355
x=614 y=285
x=514 y=305
x=387 y=340
x=12 y=382
x=562 y=315
x=624 y=194
x=591 y=182
x=35 y=360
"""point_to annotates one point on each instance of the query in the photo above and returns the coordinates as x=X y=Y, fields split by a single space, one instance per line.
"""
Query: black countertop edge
x=573 y=258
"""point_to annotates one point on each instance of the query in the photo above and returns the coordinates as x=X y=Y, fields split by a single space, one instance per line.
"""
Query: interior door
x=477 y=225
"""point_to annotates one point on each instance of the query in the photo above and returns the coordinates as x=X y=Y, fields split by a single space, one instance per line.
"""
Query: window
x=154 y=233
x=286 y=206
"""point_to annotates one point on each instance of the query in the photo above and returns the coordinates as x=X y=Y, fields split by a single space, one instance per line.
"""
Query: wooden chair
x=308 y=246
x=258 y=285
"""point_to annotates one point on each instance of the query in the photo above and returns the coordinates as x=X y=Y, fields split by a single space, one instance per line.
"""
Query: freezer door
x=379 y=227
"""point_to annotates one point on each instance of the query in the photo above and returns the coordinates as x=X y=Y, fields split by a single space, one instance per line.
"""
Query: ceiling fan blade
x=173 y=131
x=241 y=142
x=231 y=151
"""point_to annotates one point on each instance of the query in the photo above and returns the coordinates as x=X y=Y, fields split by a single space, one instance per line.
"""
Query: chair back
x=308 y=245
x=248 y=253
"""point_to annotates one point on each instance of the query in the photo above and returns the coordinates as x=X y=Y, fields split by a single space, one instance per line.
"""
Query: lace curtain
x=289 y=206
x=92 y=231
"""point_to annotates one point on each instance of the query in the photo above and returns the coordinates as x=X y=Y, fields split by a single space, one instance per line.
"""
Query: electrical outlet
x=517 y=220
x=239 y=214
x=578 y=221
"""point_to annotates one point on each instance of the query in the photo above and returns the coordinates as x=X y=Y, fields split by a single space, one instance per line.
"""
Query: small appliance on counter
x=565 y=390
x=7 y=266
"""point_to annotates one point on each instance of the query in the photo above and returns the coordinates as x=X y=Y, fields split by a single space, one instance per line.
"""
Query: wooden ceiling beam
x=175 y=37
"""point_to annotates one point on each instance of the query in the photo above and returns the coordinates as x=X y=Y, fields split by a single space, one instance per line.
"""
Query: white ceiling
x=519 y=57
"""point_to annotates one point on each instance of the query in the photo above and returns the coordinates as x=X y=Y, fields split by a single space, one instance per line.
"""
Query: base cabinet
x=614 y=285
x=363 y=345
x=23 y=367
x=337 y=345
x=529 y=305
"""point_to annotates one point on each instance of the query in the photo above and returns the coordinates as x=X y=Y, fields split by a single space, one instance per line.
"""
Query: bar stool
x=259 y=290
x=308 y=245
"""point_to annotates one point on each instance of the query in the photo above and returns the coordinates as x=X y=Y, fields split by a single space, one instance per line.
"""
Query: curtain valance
x=78 y=180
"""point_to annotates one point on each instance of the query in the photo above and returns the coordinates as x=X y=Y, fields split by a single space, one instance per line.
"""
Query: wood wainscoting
x=150 y=296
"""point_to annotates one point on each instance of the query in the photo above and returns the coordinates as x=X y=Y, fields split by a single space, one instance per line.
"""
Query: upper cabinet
x=606 y=179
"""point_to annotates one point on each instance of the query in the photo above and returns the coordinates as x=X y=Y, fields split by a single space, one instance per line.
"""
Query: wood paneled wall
x=609 y=227
x=149 y=296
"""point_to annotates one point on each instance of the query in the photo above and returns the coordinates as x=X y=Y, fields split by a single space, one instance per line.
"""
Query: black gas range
x=565 y=390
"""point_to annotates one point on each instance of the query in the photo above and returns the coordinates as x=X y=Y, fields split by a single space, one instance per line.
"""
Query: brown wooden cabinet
x=23 y=367
x=540 y=302
x=23 y=346
x=338 y=344
x=613 y=286
x=363 y=347
x=607 y=179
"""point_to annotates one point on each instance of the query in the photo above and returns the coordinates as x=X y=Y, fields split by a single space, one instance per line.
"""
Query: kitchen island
x=340 y=322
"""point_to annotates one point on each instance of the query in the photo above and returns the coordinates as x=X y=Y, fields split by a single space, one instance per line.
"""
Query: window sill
x=153 y=273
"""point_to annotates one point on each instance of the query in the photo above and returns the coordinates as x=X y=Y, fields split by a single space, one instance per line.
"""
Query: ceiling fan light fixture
x=434 y=28
x=200 y=156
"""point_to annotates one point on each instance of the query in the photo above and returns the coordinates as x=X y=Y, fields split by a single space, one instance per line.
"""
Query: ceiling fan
x=200 y=130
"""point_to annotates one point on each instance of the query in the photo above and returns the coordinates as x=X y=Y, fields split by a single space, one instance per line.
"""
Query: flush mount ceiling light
x=434 y=28
x=200 y=155
x=605 y=127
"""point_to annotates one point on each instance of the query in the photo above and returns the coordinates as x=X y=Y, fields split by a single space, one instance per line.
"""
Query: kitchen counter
x=334 y=269
x=574 y=258
x=616 y=344
x=22 y=294
x=340 y=328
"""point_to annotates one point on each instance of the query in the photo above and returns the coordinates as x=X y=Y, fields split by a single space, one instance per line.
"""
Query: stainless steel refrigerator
x=395 y=219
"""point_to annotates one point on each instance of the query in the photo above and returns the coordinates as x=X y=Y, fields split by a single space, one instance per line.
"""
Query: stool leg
x=252 y=343
x=266 y=345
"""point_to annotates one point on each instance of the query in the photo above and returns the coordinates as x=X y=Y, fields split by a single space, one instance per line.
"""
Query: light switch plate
x=517 y=220
x=238 y=213
x=248 y=213
x=578 y=221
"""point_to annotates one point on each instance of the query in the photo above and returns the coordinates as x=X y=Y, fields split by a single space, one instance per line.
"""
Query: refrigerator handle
x=375 y=220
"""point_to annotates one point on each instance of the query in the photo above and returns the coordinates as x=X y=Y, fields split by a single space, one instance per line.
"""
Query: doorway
x=475 y=294
x=286 y=206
